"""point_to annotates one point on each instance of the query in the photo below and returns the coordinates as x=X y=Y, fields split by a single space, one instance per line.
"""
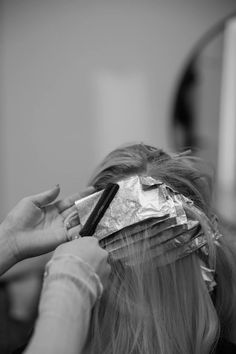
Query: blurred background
x=80 y=77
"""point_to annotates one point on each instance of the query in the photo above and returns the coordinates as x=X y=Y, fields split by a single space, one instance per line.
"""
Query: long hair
x=147 y=309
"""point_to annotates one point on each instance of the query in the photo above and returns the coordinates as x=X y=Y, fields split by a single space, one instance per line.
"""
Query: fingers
x=67 y=203
x=89 y=190
x=88 y=249
x=72 y=220
x=69 y=213
x=98 y=259
x=73 y=233
x=72 y=226
x=45 y=198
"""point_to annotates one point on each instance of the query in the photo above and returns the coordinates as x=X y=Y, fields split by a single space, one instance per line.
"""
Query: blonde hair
x=148 y=309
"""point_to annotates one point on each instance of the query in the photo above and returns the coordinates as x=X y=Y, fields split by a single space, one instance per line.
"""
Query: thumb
x=46 y=197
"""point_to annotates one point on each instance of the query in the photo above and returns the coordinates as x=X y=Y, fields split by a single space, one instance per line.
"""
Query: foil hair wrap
x=142 y=203
x=138 y=198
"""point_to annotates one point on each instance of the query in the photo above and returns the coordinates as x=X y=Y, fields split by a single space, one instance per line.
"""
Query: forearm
x=69 y=293
x=21 y=269
x=7 y=259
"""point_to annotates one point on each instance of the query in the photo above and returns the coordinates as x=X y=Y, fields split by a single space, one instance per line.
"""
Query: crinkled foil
x=137 y=199
x=140 y=198
x=208 y=276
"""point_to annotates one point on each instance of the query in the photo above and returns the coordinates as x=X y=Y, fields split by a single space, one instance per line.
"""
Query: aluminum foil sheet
x=143 y=198
x=137 y=199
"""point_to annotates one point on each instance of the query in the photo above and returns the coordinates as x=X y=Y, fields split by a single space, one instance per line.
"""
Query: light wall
x=80 y=77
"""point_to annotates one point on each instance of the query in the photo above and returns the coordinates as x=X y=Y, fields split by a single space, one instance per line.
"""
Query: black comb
x=99 y=209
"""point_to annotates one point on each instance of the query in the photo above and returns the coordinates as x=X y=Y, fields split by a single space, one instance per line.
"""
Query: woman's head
x=178 y=171
x=147 y=308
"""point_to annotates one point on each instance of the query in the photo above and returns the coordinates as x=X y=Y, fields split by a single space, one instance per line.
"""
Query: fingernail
x=57 y=185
